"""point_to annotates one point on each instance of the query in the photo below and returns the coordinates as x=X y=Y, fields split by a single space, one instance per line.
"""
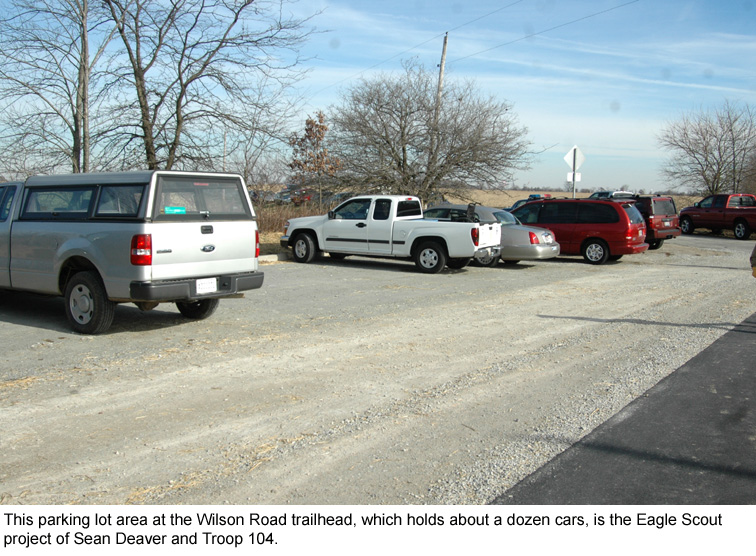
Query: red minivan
x=600 y=231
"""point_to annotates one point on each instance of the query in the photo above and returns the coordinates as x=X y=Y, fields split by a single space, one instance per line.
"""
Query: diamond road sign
x=576 y=157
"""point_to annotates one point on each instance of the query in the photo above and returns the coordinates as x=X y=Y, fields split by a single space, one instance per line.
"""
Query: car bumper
x=625 y=249
x=665 y=233
x=284 y=241
x=187 y=289
x=530 y=252
x=486 y=253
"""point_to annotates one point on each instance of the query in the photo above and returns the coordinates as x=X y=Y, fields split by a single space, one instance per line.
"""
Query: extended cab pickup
x=140 y=237
x=717 y=212
x=391 y=226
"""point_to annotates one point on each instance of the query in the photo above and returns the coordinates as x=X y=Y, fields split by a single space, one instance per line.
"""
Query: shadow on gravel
x=47 y=312
x=745 y=328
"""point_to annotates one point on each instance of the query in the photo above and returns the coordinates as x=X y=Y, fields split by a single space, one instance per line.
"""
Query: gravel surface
x=353 y=382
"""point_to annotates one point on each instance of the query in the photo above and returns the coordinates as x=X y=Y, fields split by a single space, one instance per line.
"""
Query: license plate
x=207 y=285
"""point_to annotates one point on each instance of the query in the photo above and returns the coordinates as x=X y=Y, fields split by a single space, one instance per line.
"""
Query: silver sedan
x=518 y=242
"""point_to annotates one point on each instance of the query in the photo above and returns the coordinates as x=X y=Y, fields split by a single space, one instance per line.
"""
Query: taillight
x=475 y=234
x=257 y=243
x=534 y=238
x=141 y=250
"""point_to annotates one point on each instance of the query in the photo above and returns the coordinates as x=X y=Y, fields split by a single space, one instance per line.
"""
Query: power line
x=546 y=30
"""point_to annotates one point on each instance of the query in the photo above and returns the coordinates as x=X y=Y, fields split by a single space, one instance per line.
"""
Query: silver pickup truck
x=132 y=237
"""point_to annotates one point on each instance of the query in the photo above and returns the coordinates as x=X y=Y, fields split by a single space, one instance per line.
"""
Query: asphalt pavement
x=691 y=439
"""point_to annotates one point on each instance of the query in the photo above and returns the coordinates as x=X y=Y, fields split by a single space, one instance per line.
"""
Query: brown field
x=271 y=218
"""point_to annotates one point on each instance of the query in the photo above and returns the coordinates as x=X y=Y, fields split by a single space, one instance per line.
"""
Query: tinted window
x=706 y=203
x=409 y=208
x=635 y=216
x=528 y=214
x=558 y=213
x=382 y=209
x=6 y=198
x=719 y=201
x=599 y=213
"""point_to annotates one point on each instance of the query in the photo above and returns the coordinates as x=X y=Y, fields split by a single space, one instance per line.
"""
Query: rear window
x=664 y=206
x=193 y=198
x=409 y=208
x=119 y=200
x=635 y=216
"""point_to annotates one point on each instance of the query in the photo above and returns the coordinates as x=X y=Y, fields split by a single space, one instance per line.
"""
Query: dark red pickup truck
x=717 y=212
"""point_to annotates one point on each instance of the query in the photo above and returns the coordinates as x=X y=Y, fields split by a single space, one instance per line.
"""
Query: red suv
x=660 y=214
x=597 y=230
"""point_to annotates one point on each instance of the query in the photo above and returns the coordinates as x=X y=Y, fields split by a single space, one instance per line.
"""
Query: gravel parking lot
x=353 y=382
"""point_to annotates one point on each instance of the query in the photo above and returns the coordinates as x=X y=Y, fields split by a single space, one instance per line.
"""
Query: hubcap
x=81 y=304
x=300 y=249
x=594 y=252
x=429 y=258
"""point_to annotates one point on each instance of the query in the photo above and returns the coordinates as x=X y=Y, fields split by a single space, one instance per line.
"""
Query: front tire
x=197 y=310
x=595 y=251
x=430 y=258
x=686 y=225
x=88 y=309
x=742 y=230
x=303 y=248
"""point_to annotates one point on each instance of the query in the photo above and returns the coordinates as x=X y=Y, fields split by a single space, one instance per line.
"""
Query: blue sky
x=606 y=75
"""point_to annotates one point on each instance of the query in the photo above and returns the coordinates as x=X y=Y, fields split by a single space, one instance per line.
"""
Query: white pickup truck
x=391 y=226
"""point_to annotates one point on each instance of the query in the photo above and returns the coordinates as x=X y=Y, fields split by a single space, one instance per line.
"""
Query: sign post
x=574 y=160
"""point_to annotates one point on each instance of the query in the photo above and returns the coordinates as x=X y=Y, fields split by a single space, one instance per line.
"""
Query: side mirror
x=331 y=215
x=696 y=204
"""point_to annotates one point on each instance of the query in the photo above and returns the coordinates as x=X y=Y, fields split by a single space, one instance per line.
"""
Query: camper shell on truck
x=143 y=237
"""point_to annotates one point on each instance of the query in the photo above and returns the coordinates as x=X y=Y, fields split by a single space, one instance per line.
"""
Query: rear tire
x=595 y=251
x=430 y=257
x=686 y=225
x=655 y=244
x=88 y=309
x=197 y=310
x=742 y=230
x=487 y=261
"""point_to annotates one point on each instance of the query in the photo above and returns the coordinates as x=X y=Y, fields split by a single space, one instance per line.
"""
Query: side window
x=437 y=214
x=61 y=203
x=120 y=200
x=719 y=201
x=558 y=213
x=706 y=203
x=355 y=209
x=382 y=209
x=528 y=214
x=747 y=201
x=10 y=193
x=591 y=213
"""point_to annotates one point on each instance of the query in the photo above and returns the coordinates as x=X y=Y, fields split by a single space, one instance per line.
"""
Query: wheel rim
x=685 y=225
x=594 y=252
x=300 y=249
x=81 y=304
x=739 y=229
x=428 y=258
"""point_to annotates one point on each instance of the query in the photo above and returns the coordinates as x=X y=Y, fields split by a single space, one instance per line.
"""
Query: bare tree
x=711 y=150
x=387 y=133
x=48 y=49
x=310 y=157
x=191 y=71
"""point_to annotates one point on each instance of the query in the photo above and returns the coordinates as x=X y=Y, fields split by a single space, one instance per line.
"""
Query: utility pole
x=432 y=157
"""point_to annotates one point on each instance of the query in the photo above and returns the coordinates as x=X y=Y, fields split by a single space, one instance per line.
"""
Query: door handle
x=361 y=225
